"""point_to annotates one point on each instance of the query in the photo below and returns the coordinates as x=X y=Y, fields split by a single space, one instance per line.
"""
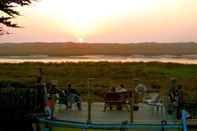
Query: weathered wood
x=116 y=98
x=114 y=116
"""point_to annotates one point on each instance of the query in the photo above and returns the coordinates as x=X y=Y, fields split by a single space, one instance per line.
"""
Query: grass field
x=105 y=74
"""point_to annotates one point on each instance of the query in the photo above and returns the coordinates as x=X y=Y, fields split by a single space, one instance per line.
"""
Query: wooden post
x=174 y=81
x=53 y=106
x=89 y=109
x=135 y=80
x=131 y=102
x=90 y=89
x=40 y=95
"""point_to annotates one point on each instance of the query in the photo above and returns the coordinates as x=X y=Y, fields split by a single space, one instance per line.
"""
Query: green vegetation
x=105 y=74
x=69 y=48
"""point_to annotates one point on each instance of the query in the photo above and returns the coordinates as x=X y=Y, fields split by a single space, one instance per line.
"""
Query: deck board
x=114 y=116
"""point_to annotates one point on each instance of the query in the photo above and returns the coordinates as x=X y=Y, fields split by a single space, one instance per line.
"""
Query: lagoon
x=183 y=59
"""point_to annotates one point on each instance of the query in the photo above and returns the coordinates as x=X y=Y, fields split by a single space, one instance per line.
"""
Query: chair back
x=116 y=97
x=72 y=98
x=153 y=96
x=164 y=100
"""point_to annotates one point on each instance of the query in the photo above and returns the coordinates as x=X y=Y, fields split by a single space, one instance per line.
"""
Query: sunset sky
x=106 y=21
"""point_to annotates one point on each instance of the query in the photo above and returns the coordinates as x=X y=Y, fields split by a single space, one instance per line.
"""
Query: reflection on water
x=184 y=59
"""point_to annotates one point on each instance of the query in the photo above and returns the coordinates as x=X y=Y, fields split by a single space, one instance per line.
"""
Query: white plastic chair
x=160 y=103
x=150 y=99
x=72 y=100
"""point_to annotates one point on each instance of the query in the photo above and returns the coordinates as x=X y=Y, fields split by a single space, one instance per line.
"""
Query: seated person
x=112 y=89
x=55 y=90
x=120 y=88
x=71 y=90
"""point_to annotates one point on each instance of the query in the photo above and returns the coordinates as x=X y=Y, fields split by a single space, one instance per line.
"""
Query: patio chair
x=150 y=99
x=73 y=99
x=160 y=103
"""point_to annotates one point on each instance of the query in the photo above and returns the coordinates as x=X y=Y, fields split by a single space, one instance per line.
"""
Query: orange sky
x=106 y=21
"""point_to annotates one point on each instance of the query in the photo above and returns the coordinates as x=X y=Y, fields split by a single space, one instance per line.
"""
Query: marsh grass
x=105 y=74
x=70 y=48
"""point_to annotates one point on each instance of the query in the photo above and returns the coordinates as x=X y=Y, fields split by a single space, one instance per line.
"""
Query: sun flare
x=104 y=21
x=80 y=40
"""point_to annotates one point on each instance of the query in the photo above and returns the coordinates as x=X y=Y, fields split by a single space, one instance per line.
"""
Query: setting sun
x=106 y=21
x=80 y=40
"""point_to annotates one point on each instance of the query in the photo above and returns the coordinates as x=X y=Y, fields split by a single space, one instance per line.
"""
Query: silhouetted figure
x=40 y=95
x=39 y=78
x=55 y=90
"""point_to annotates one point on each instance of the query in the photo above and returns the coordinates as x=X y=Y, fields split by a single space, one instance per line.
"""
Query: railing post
x=184 y=121
x=174 y=81
x=90 y=89
x=40 y=94
x=135 y=80
x=53 y=105
x=89 y=109
x=131 y=102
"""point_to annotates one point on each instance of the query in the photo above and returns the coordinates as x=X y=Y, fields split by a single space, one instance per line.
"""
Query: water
x=183 y=59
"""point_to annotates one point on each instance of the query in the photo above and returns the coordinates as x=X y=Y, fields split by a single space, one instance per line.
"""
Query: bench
x=116 y=98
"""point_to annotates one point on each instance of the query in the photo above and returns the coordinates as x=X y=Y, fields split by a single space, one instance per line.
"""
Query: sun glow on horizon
x=80 y=40
x=107 y=21
x=81 y=17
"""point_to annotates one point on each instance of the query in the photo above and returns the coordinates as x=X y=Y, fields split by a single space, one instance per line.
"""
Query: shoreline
x=184 y=56
x=183 y=59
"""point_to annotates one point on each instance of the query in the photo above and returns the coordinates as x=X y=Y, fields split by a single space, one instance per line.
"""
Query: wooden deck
x=142 y=116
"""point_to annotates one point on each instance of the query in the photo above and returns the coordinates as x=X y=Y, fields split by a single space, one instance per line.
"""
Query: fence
x=15 y=103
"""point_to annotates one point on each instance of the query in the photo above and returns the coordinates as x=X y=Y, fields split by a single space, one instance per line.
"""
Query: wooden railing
x=15 y=103
x=190 y=107
x=17 y=96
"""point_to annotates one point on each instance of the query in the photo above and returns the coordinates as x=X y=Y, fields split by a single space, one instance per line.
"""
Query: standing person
x=120 y=88
x=71 y=90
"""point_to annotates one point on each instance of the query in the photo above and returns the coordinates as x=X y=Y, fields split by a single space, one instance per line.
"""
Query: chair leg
x=161 y=110
x=105 y=107
x=75 y=107
x=152 y=108
x=127 y=108
x=60 y=104
x=70 y=106
x=157 y=109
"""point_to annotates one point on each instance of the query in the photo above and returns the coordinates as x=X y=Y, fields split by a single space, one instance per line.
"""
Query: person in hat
x=55 y=90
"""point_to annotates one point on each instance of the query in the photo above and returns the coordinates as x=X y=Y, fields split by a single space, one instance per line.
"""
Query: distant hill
x=69 y=48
